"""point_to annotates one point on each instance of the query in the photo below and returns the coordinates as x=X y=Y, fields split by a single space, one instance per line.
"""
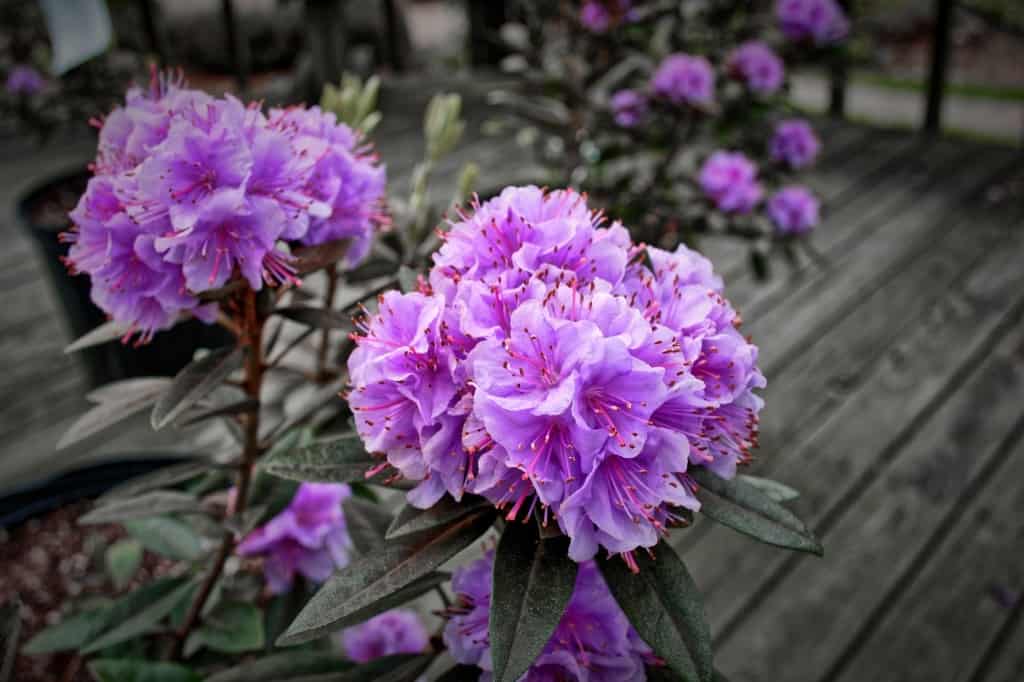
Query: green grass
x=973 y=90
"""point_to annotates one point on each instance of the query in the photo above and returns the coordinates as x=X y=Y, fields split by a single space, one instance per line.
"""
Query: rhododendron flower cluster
x=794 y=210
x=729 y=179
x=757 y=66
x=191 y=190
x=308 y=538
x=24 y=80
x=549 y=363
x=593 y=640
x=684 y=79
x=794 y=143
x=821 y=22
x=398 y=631
x=629 y=108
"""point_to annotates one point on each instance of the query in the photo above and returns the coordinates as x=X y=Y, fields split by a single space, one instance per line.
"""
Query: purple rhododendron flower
x=598 y=16
x=729 y=179
x=398 y=631
x=592 y=641
x=684 y=79
x=821 y=22
x=794 y=210
x=794 y=143
x=24 y=80
x=191 y=191
x=629 y=108
x=758 y=66
x=309 y=537
x=544 y=366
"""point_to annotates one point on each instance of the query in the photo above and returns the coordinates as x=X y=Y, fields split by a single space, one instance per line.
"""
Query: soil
x=51 y=563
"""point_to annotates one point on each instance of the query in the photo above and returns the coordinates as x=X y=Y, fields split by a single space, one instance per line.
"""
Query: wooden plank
x=972 y=558
x=910 y=380
x=1004 y=660
x=897 y=502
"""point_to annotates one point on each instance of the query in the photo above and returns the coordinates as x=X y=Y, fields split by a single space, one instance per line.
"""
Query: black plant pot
x=40 y=498
x=42 y=213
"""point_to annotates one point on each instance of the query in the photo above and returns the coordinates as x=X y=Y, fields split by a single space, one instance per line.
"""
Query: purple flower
x=729 y=179
x=24 y=80
x=794 y=143
x=821 y=22
x=592 y=641
x=309 y=537
x=393 y=632
x=192 y=191
x=758 y=66
x=598 y=16
x=794 y=210
x=629 y=108
x=684 y=79
x=547 y=368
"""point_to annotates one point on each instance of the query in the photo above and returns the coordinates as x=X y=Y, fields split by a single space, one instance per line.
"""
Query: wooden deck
x=896 y=386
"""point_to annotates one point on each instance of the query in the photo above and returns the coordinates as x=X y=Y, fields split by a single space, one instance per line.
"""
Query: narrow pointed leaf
x=161 y=478
x=340 y=460
x=283 y=666
x=410 y=519
x=106 y=332
x=195 y=382
x=778 y=492
x=153 y=503
x=167 y=537
x=128 y=389
x=144 y=618
x=70 y=634
x=245 y=406
x=357 y=592
x=532 y=583
x=108 y=413
x=366 y=522
x=394 y=668
x=137 y=670
x=745 y=508
x=232 y=628
x=664 y=605
x=320 y=318
x=123 y=559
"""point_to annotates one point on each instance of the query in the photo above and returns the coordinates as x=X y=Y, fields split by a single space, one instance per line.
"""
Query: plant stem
x=251 y=325
x=325 y=335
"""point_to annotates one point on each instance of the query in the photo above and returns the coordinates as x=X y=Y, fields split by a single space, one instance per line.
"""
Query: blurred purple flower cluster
x=308 y=538
x=600 y=16
x=794 y=210
x=546 y=364
x=757 y=66
x=729 y=179
x=393 y=632
x=794 y=143
x=24 y=80
x=684 y=79
x=190 y=190
x=821 y=22
x=593 y=640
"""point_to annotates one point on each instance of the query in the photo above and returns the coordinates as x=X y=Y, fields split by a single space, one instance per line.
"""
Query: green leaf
x=244 y=406
x=312 y=258
x=106 y=332
x=283 y=666
x=128 y=389
x=154 y=503
x=358 y=591
x=110 y=412
x=410 y=519
x=142 y=612
x=532 y=582
x=320 y=318
x=744 y=508
x=167 y=537
x=70 y=634
x=232 y=628
x=340 y=460
x=193 y=383
x=778 y=492
x=161 y=478
x=366 y=522
x=123 y=559
x=664 y=605
x=131 y=670
x=10 y=630
x=407 y=278
x=395 y=668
